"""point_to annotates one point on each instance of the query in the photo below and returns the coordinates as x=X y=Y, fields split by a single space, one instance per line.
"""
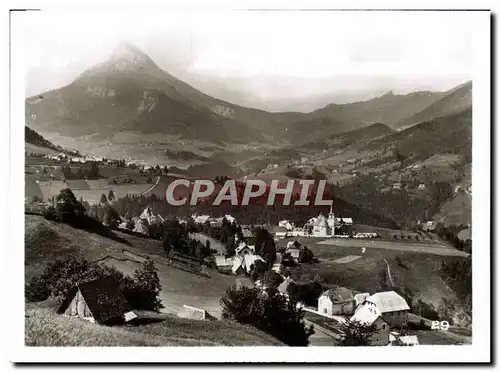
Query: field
x=440 y=249
x=45 y=328
x=46 y=241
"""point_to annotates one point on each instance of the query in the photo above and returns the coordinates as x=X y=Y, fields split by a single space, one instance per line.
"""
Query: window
x=324 y=310
x=383 y=327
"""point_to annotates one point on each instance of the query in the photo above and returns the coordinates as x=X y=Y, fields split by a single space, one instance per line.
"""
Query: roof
x=283 y=287
x=409 y=340
x=361 y=297
x=339 y=294
x=103 y=297
x=247 y=233
x=276 y=229
x=190 y=312
x=388 y=301
x=241 y=247
x=221 y=260
x=365 y=315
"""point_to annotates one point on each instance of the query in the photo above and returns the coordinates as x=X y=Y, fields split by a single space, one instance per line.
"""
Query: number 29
x=440 y=325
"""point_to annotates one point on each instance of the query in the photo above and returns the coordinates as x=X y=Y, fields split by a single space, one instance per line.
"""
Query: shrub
x=270 y=312
x=111 y=217
x=356 y=333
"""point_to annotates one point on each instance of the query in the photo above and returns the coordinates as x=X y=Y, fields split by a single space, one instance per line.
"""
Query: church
x=323 y=226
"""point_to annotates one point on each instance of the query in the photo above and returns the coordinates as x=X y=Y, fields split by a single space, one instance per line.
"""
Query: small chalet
x=98 y=301
x=336 y=301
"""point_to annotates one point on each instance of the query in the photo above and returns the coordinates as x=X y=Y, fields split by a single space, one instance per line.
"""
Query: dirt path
x=152 y=187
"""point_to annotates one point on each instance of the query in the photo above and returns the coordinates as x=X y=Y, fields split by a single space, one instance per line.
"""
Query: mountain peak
x=127 y=56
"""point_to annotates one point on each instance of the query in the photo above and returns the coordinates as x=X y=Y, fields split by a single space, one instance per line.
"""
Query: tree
x=103 y=200
x=230 y=248
x=111 y=195
x=68 y=208
x=264 y=245
x=130 y=224
x=112 y=218
x=356 y=333
x=306 y=255
x=272 y=279
x=147 y=288
x=270 y=312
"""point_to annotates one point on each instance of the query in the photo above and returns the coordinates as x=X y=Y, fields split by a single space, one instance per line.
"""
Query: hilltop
x=451 y=102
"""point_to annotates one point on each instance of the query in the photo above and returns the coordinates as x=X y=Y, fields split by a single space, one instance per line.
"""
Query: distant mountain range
x=130 y=93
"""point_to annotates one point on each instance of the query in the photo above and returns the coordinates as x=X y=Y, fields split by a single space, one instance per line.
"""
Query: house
x=396 y=185
x=286 y=224
x=243 y=264
x=230 y=218
x=390 y=306
x=293 y=248
x=153 y=219
x=367 y=316
x=421 y=186
x=283 y=287
x=243 y=249
x=98 y=301
x=396 y=339
x=336 y=301
x=223 y=263
x=248 y=236
x=200 y=219
x=428 y=226
x=278 y=232
x=190 y=312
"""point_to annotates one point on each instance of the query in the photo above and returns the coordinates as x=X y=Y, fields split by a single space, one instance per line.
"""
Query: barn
x=98 y=301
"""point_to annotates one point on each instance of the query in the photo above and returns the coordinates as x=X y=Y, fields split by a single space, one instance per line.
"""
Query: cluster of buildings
x=326 y=226
x=387 y=311
x=213 y=221
x=75 y=159
x=245 y=256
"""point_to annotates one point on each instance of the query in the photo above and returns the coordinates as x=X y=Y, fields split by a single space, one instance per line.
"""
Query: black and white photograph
x=253 y=178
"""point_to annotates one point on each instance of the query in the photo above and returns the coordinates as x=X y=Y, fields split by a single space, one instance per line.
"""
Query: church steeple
x=331 y=215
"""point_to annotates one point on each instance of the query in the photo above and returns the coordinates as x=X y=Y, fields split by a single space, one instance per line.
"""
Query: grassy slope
x=46 y=240
x=45 y=328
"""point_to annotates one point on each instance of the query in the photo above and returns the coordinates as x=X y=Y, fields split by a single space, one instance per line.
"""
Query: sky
x=272 y=60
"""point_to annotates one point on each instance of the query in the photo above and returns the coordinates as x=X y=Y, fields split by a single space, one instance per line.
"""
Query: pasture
x=440 y=249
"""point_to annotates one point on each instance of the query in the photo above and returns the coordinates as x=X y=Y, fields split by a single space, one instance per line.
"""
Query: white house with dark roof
x=336 y=301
